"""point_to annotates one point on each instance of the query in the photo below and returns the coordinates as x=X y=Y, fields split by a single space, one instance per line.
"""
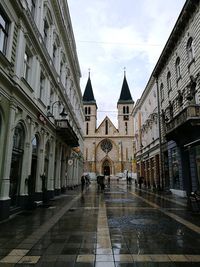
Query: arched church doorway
x=106 y=168
x=16 y=164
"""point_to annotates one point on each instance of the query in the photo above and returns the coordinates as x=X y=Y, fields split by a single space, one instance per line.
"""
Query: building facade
x=108 y=150
x=147 y=143
x=176 y=78
x=41 y=112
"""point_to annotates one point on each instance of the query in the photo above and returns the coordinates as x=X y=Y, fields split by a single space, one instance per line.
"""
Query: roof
x=88 y=96
x=125 y=96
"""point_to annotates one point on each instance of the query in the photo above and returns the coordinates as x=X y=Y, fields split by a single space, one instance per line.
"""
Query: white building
x=41 y=113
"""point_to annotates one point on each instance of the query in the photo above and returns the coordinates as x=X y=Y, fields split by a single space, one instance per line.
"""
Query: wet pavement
x=121 y=227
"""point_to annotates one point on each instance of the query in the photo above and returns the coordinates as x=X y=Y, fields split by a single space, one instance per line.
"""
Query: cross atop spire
x=124 y=71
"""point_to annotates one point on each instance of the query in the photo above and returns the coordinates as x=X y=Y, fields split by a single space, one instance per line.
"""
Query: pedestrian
x=82 y=182
x=127 y=177
x=140 y=181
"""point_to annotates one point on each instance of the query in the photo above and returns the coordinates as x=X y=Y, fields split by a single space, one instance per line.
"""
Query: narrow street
x=123 y=226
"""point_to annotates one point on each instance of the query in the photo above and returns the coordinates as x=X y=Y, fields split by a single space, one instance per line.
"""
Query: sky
x=116 y=35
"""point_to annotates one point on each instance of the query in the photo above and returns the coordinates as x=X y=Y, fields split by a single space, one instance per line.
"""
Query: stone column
x=58 y=170
x=5 y=181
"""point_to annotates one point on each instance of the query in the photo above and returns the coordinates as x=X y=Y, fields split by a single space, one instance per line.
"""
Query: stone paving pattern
x=120 y=227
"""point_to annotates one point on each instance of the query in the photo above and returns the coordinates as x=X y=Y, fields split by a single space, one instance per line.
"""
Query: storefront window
x=175 y=170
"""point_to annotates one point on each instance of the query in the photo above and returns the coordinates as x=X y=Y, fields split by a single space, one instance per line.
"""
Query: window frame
x=169 y=81
x=190 y=50
x=42 y=86
x=178 y=68
x=4 y=30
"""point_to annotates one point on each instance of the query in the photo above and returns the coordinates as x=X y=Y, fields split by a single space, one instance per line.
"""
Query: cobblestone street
x=123 y=226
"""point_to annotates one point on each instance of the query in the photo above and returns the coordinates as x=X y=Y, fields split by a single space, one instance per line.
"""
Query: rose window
x=106 y=145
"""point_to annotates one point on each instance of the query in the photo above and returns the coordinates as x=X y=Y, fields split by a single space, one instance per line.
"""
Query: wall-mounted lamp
x=63 y=114
x=50 y=112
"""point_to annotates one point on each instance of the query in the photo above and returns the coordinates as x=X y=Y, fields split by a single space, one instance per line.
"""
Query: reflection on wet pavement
x=123 y=226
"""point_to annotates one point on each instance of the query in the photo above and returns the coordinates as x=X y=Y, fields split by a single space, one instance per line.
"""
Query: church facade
x=108 y=150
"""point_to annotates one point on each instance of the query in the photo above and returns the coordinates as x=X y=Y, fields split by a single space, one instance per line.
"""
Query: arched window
x=87 y=128
x=16 y=164
x=124 y=109
x=178 y=68
x=35 y=145
x=18 y=138
x=89 y=110
x=190 y=50
x=169 y=83
x=106 y=127
x=127 y=109
x=85 y=110
x=161 y=92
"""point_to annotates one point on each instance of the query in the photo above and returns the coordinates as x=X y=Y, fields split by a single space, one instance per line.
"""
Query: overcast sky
x=113 y=34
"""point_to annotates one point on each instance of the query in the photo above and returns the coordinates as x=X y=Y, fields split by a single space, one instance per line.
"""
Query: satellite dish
x=70 y=162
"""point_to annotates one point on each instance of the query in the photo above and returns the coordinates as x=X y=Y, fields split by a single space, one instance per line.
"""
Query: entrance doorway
x=32 y=181
x=106 y=168
x=16 y=164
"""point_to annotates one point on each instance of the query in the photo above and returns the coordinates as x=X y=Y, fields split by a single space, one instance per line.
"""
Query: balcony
x=185 y=123
x=66 y=132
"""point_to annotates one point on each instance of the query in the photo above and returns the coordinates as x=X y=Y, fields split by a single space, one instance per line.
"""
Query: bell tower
x=90 y=109
x=125 y=107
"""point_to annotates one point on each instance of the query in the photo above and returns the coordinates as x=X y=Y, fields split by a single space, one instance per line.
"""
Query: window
x=54 y=54
x=178 y=68
x=33 y=7
x=106 y=127
x=106 y=145
x=85 y=110
x=87 y=128
x=161 y=92
x=169 y=84
x=126 y=128
x=89 y=110
x=4 y=25
x=190 y=50
x=27 y=66
x=46 y=30
x=126 y=111
x=86 y=154
x=42 y=85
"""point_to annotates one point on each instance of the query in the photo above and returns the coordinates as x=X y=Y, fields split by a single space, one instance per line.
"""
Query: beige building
x=108 y=150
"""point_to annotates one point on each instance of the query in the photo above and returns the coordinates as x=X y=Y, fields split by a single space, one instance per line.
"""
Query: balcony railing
x=188 y=114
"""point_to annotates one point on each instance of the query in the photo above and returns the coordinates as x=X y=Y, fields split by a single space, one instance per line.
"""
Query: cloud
x=114 y=34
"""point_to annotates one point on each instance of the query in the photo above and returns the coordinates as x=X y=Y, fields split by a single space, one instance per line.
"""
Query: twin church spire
x=125 y=95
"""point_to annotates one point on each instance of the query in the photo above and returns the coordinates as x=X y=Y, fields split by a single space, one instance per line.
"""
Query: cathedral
x=108 y=150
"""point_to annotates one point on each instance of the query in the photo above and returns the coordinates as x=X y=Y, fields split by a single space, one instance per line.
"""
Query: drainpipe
x=160 y=178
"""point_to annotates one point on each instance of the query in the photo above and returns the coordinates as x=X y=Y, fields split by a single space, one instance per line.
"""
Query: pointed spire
x=88 y=96
x=125 y=96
